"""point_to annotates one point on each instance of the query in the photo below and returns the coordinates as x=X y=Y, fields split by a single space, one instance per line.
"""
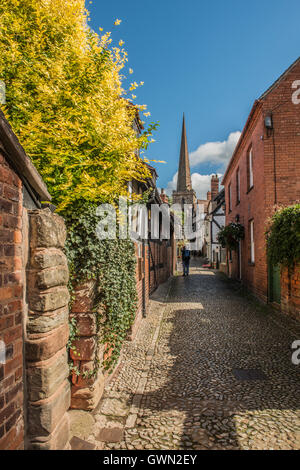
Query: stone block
x=81 y=444
x=84 y=298
x=86 y=324
x=46 y=229
x=44 y=378
x=48 y=258
x=115 y=407
x=45 y=346
x=47 y=278
x=49 y=300
x=89 y=397
x=58 y=440
x=86 y=367
x=45 y=415
x=44 y=322
x=85 y=349
x=82 y=423
x=111 y=434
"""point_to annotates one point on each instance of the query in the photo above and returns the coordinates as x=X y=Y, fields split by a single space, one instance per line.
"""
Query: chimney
x=208 y=196
x=164 y=197
x=214 y=186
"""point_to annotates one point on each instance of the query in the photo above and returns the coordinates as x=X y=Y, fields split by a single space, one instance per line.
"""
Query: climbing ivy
x=230 y=235
x=283 y=236
x=112 y=264
x=67 y=101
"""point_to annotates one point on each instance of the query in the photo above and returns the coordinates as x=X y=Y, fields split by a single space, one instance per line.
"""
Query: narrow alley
x=210 y=368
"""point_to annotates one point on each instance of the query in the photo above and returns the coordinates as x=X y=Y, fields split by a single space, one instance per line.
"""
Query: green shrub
x=230 y=235
x=283 y=236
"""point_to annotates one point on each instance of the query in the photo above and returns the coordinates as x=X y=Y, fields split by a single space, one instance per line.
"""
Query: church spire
x=184 y=173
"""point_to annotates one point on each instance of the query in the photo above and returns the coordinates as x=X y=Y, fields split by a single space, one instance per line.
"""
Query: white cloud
x=217 y=153
x=172 y=185
x=200 y=184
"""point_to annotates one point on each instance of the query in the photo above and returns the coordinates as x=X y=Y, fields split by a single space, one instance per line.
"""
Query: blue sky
x=210 y=60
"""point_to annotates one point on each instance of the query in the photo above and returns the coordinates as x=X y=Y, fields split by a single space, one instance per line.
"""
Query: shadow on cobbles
x=192 y=398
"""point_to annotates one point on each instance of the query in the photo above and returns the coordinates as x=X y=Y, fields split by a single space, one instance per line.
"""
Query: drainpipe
x=274 y=166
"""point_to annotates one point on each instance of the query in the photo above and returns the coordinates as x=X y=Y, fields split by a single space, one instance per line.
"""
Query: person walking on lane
x=185 y=256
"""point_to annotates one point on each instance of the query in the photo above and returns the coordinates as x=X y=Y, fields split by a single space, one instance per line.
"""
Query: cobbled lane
x=182 y=382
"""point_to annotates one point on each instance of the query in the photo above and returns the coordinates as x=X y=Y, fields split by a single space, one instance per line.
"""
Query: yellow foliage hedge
x=65 y=101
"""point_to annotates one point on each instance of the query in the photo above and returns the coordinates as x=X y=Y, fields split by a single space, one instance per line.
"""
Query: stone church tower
x=184 y=193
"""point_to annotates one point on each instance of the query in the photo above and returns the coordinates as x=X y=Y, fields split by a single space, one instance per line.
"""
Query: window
x=252 y=253
x=229 y=197
x=238 y=192
x=250 y=168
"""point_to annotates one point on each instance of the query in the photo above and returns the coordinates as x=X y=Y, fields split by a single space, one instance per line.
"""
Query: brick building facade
x=263 y=172
x=11 y=307
x=34 y=386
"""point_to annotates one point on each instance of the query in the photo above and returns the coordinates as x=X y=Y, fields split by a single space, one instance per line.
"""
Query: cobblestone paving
x=177 y=389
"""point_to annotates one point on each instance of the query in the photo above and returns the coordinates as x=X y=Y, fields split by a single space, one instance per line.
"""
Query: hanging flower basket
x=230 y=235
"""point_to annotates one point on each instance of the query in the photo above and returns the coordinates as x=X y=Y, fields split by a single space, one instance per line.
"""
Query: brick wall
x=286 y=139
x=11 y=305
x=251 y=206
x=34 y=387
x=290 y=291
x=86 y=392
x=276 y=177
x=47 y=332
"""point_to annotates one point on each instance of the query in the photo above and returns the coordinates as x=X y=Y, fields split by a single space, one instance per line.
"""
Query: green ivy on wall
x=112 y=264
x=283 y=236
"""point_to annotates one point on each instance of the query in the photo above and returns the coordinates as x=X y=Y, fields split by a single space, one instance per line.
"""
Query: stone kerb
x=47 y=333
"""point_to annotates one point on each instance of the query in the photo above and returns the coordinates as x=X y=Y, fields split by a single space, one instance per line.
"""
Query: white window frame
x=238 y=180
x=250 y=159
x=252 y=245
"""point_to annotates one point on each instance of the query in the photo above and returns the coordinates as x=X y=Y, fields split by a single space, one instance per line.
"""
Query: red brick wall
x=86 y=392
x=286 y=120
x=290 y=292
x=11 y=304
x=259 y=202
x=251 y=206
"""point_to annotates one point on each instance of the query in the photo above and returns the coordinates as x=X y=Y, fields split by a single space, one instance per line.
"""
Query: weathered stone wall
x=290 y=292
x=47 y=332
x=86 y=392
